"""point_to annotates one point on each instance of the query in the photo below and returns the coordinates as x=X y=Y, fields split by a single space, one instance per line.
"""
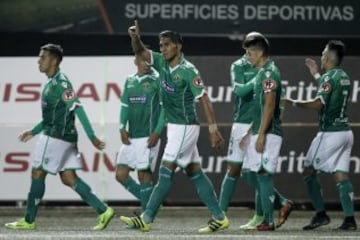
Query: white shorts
x=267 y=160
x=235 y=154
x=137 y=155
x=330 y=151
x=54 y=155
x=181 y=145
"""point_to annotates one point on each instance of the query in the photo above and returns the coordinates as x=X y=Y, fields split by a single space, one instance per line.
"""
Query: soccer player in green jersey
x=181 y=85
x=265 y=142
x=56 y=150
x=141 y=123
x=331 y=148
x=243 y=74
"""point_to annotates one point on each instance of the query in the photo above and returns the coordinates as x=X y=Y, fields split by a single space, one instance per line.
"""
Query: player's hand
x=125 y=137
x=25 y=136
x=134 y=31
x=260 y=143
x=153 y=139
x=245 y=141
x=217 y=141
x=311 y=64
x=98 y=144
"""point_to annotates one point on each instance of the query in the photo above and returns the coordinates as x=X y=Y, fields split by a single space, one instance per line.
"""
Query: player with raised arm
x=331 y=148
x=181 y=85
x=56 y=149
x=141 y=123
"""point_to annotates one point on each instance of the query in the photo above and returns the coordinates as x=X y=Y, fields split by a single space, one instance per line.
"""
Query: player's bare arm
x=125 y=137
x=136 y=43
x=153 y=139
x=269 y=107
x=314 y=104
x=216 y=139
x=98 y=144
x=25 y=136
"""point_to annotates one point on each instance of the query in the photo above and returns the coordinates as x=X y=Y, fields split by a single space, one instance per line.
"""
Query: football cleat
x=136 y=222
x=215 y=225
x=251 y=225
x=284 y=212
x=21 y=224
x=317 y=221
x=104 y=219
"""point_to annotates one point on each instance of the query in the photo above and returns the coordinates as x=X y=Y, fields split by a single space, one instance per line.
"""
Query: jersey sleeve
x=156 y=60
x=67 y=93
x=270 y=81
x=124 y=101
x=196 y=83
x=326 y=86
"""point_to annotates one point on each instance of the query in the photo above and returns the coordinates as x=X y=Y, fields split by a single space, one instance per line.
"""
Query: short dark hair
x=175 y=37
x=337 y=47
x=255 y=39
x=54 y=49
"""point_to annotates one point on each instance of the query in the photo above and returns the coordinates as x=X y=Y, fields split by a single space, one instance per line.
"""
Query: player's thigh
x=50 y=153
x=146 y=157
x=181 y=146
x=126 y=155
x=235 y=154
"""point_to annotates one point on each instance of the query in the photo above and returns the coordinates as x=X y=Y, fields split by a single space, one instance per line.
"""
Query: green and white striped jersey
x=141 y=101
x=241 y=73
x=267 y=80
x=334 y=92
x=180 y=86
x=58 y=101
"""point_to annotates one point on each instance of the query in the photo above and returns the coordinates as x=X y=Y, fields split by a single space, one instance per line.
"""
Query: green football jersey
x=58 y=101
x=334 y=92
x=241 y=73
x=180 y=86
x=267 y=80
x=141 y=98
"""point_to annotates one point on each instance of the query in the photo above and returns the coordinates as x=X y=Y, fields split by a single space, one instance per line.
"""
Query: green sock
x=315 y=192
x=145 y=192
x=132 y=186
x=346 y=197
x=85 y=193
x=207 y=194
x=251 y=179
x=279 y=199
x=37 y=190
x=160 y=192
x=266 y=187
x=227 y=191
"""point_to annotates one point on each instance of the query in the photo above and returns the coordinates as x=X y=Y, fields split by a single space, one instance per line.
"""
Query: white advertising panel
x=98 y=82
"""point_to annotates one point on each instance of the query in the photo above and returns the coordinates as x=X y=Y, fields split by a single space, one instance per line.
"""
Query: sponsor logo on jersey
x=137 y=99
x=268 y=85
x=69 y=95
x=198 y=82
x=176 y=77
x=167 y=87
x=326 y=87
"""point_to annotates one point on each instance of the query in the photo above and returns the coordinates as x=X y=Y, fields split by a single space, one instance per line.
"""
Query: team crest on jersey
x=326 y=87
x=267 y=74
x=53 y=82
x=268 y=85
x=68 y=95
x=176 y=77
x=146 y=85
x=198 y=82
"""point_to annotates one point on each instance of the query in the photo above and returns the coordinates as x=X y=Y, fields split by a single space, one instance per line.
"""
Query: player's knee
x=121 y=177
x=234 y=170
x=340 y=176
x=144 y=176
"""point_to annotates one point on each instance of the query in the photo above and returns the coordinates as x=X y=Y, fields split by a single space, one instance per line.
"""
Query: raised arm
x=137 y=45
